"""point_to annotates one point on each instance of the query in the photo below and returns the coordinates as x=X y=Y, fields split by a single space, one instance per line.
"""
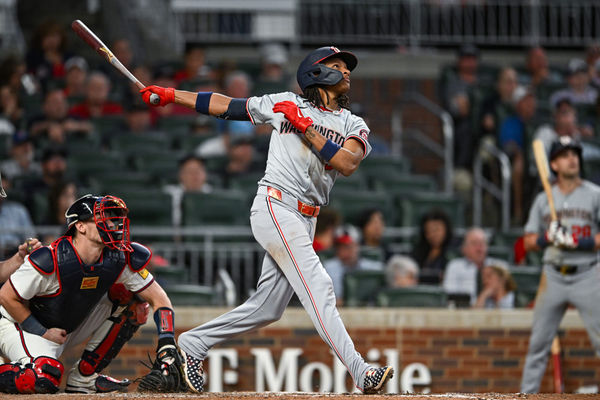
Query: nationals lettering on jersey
x=292 y=164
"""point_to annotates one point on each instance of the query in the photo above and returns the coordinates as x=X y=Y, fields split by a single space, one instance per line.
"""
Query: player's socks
x=193 y=373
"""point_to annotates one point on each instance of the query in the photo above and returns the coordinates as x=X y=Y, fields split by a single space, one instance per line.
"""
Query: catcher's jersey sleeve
x=28 y=282
x=136 y=281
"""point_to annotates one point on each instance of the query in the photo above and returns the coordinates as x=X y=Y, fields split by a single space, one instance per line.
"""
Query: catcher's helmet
x=565 y=143
x=110 y=216
x=312 y=72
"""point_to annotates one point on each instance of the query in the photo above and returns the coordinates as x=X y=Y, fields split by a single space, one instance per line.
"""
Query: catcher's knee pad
x=42 y=376
x=123 y=327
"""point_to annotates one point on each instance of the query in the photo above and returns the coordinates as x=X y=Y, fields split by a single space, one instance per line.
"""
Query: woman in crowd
x=498 y=288
x=434 y=243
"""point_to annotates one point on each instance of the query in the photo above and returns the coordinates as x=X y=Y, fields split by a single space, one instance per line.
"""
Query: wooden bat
x=541 y=161
x=95 y=43
x=559 y=385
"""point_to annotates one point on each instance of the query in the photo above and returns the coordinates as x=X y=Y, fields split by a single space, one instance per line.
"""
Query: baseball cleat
x=193 y=373
x=376 y=378
x=102 y=384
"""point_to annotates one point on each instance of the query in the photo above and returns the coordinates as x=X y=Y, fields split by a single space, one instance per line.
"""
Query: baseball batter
x=571 y=271
x=314 y=138
x=81 y=285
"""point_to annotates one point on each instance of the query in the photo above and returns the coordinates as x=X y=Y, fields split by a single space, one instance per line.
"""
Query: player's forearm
x=13 y=305
x=530 y=242
x=218 y=103
x=155 y=296
x=9 y=266
x=346 y=160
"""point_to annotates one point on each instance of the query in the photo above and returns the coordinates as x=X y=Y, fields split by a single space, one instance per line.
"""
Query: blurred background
x=453 y=91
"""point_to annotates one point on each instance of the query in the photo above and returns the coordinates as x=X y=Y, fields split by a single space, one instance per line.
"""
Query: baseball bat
x=541 y=161
x=559 y=385
x=95 y=43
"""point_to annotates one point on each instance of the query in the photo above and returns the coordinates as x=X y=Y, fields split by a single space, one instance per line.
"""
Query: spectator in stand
x=538 y=73
x=76 y=69
x=15 y=222
x=22 y=161
x=499 y=105
x=462 y=274
x=372 y=226
x=241 y=159
x=433 y=246
x=47 y=53
x=54 y=123
x=456 y=100
x=164 y=75
x=194 y=67
x=580 y=91
x=401 y=272
x=592 y=55
x=11 y=111
x=60 y=197
x=132 y=93
x=347 y=258
x=327 y=223
x=498 y=288
x=192 y=178
x=272 y=78
x=515 y=134
x=565 y=124
x=96 y=103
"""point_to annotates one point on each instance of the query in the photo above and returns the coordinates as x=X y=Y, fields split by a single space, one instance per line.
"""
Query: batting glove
x=553 y=230
x=293 y=114
x=166 y=95
x=565 y=240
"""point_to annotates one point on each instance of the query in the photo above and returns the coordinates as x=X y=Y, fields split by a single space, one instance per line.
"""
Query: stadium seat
x=132 y=145
x=404 y=183
x=414 y=206
x=176 y=124
x=356 y=181
x=160 y=165
x=361 y=287
x=218 y=207
x=147 y=207
x=190 y=295
x=189 y=143
x=170 y=275
x=352 y=203
x=376 y=165
x=108 y=124
x=417 y=296
x=246 y=183
x=120 y=181
x=89 y=163
x=501 y=252
x=372 y=253
x=527 y=280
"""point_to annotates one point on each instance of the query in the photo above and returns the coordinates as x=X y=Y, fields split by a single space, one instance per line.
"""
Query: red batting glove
x=167 y=95
x=293 y=114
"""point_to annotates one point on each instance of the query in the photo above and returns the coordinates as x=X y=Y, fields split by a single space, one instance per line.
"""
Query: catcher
x=90 y=282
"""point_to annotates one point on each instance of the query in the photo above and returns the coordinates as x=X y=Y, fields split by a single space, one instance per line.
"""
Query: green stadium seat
x=417 y=296
x=132 y=145
x=108 y=124
x=170 y=275
x=176 y=124
x=88 y=164
x=119 y=181
x=190 y=295
x=501 y=252
x=361 y=287
x=147 y=207
x=404 y=183
x=246 y=183
x=356 y=181
x=81 y=144
x=374 y=166
x=163 y=166
x=351 y=204
x=527 y=279
x=218 y=207
x=414 y=206
x=189 y=143
x=372 y=253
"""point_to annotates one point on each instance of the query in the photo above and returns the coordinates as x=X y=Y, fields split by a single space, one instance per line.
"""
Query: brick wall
x=465 y=351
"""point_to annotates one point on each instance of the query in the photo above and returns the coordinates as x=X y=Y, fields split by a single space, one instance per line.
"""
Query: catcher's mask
x=110 y=217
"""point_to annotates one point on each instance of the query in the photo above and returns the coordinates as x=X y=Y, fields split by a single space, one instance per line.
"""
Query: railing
x=480 y=183
x=392 y=22
x=444 y=150
x=11 y=38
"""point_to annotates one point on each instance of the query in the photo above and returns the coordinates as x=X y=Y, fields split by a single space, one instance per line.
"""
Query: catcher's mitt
x=166 y=372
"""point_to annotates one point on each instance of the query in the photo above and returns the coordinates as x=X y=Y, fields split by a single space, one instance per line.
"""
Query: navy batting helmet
x=312 y=72
x=565 y=143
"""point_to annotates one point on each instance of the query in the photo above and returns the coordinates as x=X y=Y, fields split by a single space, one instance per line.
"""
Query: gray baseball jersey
x=297 y=173
x=578 y=211
x=292 y=164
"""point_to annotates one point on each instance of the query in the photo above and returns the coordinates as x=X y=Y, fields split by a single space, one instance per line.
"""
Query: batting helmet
x=564 y=143
x=312 y=72
x=110 y=216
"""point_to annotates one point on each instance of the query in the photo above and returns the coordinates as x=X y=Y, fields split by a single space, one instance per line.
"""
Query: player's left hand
x=166 y=95
x=30 y=245
x=294 y=115
x=565 y=240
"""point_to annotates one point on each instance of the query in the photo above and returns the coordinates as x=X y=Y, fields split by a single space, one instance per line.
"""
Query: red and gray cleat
x=193 y=373
x=102 y=384
x=376 y=378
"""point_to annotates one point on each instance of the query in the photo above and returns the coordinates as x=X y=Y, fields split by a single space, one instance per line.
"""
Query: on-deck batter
x=314 y=139
x=571 y=271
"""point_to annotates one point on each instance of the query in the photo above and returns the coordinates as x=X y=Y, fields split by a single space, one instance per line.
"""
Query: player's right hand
x=166 y=95
x=553 y=231
x=55 y=335
x=30 y=245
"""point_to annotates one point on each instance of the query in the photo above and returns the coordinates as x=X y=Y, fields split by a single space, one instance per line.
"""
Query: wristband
x=32 y=325
x=164 y=319
x=541 y=241
x=586 y=243
x=202 y=102
x=329 y=150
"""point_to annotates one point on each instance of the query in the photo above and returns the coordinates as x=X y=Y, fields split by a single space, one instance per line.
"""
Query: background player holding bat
x=314 y=138
x=84 y=284
x=570 y=245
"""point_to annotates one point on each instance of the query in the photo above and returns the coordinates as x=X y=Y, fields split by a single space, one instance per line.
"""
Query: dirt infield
x=309 y=396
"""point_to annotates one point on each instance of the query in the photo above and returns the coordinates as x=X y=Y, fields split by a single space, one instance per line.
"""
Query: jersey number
x=581 y=231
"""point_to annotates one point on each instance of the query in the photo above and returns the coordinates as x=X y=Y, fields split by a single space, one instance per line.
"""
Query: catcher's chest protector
x=81 y=286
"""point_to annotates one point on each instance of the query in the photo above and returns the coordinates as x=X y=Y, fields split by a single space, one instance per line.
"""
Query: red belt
x=305 y=209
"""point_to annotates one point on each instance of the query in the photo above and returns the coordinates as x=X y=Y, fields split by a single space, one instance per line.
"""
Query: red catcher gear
x=293 y=114
x=110 y=216
x=41 y=376
x=166 y=95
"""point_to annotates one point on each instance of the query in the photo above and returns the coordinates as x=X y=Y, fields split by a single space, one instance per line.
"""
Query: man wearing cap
x=347 y=259
x=570 y=246
x=15 y=222
x=21 y=160
x=580 y=91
